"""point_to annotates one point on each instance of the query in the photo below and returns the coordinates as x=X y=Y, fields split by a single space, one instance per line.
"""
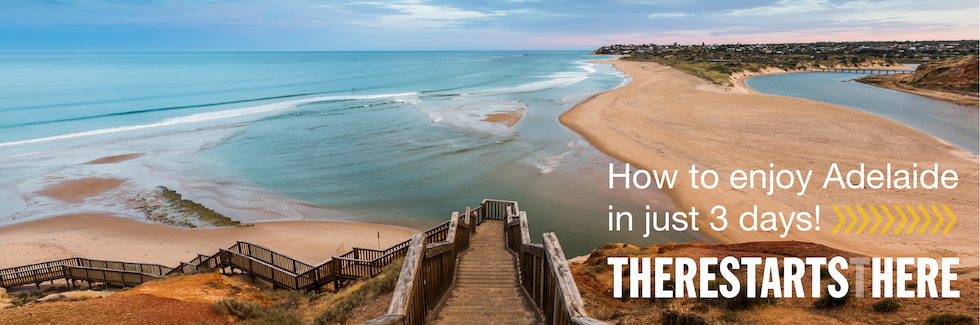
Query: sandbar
x=114 y=159
x=508 y=118
x=77 y=190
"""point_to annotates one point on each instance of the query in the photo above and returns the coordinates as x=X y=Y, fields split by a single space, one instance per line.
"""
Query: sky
x=339 y=25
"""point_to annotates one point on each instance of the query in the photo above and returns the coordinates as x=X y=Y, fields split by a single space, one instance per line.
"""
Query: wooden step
x=486 y=289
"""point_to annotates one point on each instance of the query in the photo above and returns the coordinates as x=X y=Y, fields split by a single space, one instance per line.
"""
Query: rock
x=76 y=295
x=52 y=297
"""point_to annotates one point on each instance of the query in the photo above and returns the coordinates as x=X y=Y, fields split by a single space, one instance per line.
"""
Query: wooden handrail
x=544 y=273
x=427 y=273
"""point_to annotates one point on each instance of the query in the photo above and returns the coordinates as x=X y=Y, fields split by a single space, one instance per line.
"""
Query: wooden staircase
x=486 y=289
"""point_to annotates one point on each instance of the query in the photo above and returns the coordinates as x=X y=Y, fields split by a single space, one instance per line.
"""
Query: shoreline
x=110 y=237
x=668 y=119
x=890 y=82
x=740 y=87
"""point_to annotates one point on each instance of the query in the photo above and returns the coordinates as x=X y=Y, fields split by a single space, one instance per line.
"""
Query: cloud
x=419 y=14
x=783 y=7
x=667 y=15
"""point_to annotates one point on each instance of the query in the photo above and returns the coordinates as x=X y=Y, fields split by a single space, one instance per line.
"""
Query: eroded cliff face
x=956 y=74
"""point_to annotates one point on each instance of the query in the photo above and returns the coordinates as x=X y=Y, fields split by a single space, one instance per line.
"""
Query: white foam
x=471 y=115
x=201 y=117
x=547 y=164
x=557 y=80
x=588 y=67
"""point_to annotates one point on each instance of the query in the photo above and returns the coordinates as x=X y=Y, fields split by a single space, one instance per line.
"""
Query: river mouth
x=951 y=123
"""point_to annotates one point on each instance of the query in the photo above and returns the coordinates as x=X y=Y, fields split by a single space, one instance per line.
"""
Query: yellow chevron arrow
x=941 y=219
x=904 y=219
x=840 y=219
x=891 y=219
x=866 y=219
x=928 y=219
x=914 y=222
x=854 y=219
x=952 y=219
x=877 y=217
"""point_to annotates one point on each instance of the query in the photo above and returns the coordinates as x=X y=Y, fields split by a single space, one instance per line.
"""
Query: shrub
x=593 y=270
x=886 y=306
x=673 y=317
x=240 y=309
x=353 y=296
x=701 y=308
x=949 y=319
x=728 y=317
x=742 y=300
x=826 y=301
x=284 y=310
x=25 y=298
x=824 y=272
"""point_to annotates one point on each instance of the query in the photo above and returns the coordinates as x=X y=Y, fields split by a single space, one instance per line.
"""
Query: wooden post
x=564 y=281
x=413 y=263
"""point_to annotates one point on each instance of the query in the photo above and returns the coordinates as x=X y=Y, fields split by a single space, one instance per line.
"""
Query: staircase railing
x=79 y=268
x=428 y=271
x=543 y=272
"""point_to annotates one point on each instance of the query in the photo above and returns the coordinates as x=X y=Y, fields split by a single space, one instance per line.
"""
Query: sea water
x=394 y=137
x=955 y=124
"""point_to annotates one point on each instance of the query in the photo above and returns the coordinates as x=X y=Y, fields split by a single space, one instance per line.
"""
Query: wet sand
x=77 y=190
x=114 y=159
x=508 y=118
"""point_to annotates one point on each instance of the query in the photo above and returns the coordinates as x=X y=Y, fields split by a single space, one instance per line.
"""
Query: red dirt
x=130 y=309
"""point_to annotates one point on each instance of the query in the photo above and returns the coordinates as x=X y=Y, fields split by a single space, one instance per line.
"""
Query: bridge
x=478 y=267
x=866 y=71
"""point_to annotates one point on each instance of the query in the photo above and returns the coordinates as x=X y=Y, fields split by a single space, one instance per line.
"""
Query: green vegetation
x=886 y=306
x=169 y=207
x=341 y=304
x=950 y=319
x=286 y=308
x=716 y=72
x=595 y=269
x=718 y=64
x=240 y=309
x=24 y=298
x=672 y=317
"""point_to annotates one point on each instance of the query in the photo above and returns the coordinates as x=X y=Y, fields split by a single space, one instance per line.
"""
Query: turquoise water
x=393 y=137
x=955 y=124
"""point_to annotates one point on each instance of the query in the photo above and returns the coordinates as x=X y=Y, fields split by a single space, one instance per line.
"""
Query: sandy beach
x=102 y=236
x=666 y=119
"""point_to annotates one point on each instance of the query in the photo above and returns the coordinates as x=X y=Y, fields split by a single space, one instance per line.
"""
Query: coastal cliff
x=952 y=79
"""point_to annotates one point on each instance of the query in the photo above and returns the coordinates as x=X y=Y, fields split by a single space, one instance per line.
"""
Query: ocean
x=955 y=124
x=401 y=138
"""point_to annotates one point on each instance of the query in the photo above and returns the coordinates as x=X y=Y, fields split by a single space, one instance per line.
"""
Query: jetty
x=479 y=266
x=865 y=71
